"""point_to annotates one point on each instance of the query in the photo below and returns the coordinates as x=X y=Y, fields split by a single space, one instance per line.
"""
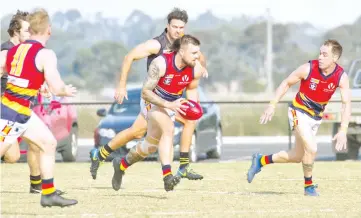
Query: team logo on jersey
x=313 y=80
x=330 y=88
x=168 y=79
x=185 y=80
x=313 y=83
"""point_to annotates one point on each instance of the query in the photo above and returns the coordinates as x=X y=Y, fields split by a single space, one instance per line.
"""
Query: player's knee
x=311 y=149
x=147 y=147
x=169 y=130
x=50 y=144
x=13 y=158
x=297 y=159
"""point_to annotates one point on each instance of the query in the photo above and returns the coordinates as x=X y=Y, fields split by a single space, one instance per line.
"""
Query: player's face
x=24 y=31
x=190 y=53
x=175 y=29
x=326 y=57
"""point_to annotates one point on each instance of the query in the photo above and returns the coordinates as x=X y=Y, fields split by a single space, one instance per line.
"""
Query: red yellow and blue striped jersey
x=170 y=86
x=24 y=81
x=316 y=90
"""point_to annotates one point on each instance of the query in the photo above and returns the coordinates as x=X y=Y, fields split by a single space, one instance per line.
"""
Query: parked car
x=62 y=121
x=207 y=138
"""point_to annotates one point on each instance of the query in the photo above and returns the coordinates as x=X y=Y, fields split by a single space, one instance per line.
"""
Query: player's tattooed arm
x=156 y=70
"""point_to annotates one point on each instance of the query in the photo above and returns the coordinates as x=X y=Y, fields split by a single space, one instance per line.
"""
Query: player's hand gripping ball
x=194 y=110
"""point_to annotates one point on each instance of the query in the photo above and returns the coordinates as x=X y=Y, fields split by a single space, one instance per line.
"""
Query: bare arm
x=202 y=60
x=296 y=76
x=3 y=62
x=140 y=51
x=156 y=70
x=47 y=61
x=346 y=101
x=192 y=88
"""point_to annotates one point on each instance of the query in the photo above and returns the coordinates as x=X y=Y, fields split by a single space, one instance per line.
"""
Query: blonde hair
x=39 y=21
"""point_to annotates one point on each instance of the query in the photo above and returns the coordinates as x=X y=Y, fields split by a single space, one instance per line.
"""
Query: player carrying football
x=319 y=80
x=168 y=75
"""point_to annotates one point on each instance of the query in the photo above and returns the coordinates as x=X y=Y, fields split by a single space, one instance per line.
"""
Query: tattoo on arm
x=150 y=83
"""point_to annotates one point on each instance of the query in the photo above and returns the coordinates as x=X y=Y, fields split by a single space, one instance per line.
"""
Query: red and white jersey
x=316 y=90
x=170 y=87
x=24 y=81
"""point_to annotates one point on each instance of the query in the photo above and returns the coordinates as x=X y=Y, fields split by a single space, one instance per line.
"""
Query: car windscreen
x=128 y=107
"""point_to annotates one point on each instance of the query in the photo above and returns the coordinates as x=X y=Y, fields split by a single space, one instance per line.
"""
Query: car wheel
x=193 y=156
x=71 y=150
x=216 y=153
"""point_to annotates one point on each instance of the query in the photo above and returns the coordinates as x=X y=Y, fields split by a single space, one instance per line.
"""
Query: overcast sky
x=322 y=13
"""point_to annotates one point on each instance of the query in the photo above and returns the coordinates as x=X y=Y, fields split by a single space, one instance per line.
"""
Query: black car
x=207 y=138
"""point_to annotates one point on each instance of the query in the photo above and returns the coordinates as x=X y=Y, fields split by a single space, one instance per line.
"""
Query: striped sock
x=266 y=159
x=308 y=181
x=35 y=181
x=104 y=152
x=47 y=186
x=166 y=170
x=184 y=160
x=124 y=164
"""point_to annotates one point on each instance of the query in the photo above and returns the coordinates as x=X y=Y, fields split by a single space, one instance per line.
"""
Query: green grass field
x=276 y=192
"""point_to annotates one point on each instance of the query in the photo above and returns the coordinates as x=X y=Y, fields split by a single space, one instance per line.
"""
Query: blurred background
x=250 y=47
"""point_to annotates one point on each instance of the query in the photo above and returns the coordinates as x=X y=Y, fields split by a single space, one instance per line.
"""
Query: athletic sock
x=266 y=159
x=184 y=160
x=35 y=181
x=47 y=186
x=166 y=170
x=104 y=152
x=308 y=181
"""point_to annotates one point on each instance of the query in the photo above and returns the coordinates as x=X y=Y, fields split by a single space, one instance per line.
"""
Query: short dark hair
x=15 y=23
x=178 y=14
x=336 y=46
x=184 y=40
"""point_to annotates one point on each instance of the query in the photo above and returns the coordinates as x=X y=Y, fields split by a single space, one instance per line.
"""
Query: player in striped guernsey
x=319 y=80
x=151 y=49
x=19 y=32
x=29 y=65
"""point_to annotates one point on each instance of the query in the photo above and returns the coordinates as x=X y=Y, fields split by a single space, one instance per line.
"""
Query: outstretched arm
x=296 y=76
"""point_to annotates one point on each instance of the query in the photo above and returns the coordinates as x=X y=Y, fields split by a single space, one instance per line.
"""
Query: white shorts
x=307 y=126
x=147 y=106
x=10 y=131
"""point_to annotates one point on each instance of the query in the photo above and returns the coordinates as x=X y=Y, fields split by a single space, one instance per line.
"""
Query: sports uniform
x=170 y=87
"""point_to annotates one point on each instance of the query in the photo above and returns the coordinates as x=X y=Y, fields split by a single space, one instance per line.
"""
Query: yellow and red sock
x=266 y=159
x=124 y=164
x=308 y=181
x=35 y=181
x=166 y=170
x=47 y=186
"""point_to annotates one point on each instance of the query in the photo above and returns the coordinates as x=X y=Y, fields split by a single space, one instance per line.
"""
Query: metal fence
x=238 y=118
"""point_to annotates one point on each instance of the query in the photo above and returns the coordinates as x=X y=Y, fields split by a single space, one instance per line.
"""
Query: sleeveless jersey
x=164 y=45
x=24 y=81
x=316 y=90
x=170 y=87
x=5 y=46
